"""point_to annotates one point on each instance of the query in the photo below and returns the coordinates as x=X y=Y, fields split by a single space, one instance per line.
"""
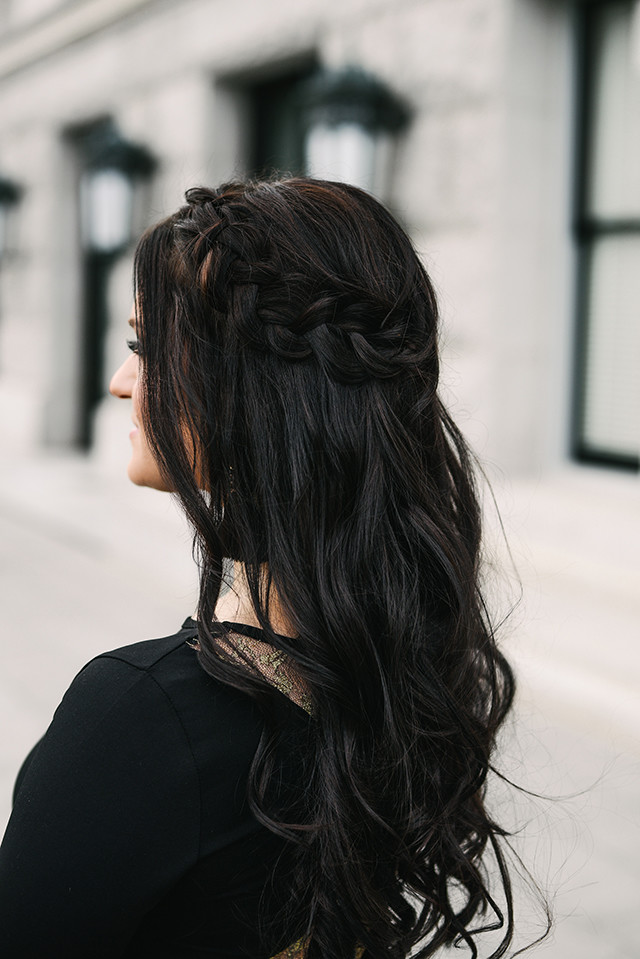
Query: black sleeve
x=106 y=817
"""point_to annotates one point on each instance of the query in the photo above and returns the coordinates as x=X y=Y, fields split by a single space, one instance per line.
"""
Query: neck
x=235 y=605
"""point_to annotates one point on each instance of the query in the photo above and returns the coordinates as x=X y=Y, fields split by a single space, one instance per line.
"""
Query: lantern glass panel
x=346 y=152
x=107 y=208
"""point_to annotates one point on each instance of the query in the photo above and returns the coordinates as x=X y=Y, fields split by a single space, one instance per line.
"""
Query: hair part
x=289 y=343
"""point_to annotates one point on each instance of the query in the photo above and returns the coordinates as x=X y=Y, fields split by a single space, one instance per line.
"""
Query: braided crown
x=293 y=309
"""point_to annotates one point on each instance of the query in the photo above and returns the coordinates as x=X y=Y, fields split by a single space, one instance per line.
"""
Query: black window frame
x=587 y=229
x=276 y=144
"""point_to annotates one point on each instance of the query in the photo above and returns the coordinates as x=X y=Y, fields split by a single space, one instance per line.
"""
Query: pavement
x=89 y=562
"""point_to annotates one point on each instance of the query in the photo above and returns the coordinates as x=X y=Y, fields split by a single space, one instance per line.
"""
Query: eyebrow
x=132 y=321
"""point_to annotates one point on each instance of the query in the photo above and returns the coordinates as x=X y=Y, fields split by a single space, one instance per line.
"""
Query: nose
x=123 y=379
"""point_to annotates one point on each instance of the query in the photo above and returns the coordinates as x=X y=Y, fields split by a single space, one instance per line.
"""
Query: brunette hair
x=289 y=345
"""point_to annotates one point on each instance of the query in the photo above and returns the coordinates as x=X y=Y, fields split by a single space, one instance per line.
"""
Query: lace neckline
x=246 y=644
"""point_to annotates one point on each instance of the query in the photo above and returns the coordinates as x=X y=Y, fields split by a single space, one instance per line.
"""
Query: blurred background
x=505 y=135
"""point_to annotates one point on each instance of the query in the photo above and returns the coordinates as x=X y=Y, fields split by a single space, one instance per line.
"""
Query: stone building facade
x=484 y=178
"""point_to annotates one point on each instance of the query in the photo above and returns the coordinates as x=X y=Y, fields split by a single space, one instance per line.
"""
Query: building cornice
x=67 y=25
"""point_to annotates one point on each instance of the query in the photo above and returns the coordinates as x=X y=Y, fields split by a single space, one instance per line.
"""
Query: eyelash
x=134 y=346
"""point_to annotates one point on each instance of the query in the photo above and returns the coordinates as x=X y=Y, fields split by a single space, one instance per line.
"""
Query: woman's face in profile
x=142 y=469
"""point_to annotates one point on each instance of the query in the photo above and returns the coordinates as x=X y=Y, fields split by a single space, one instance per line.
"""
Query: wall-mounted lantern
x=351 y=120
x=112 y=170
x=113 y=165
x=10 y=193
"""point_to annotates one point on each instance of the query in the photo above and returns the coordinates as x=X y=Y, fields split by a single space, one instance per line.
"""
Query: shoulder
x=163 y=676
x=135 y=674
x=165 y=665
x=149 y=652
x=159 y=686
x=147 y=718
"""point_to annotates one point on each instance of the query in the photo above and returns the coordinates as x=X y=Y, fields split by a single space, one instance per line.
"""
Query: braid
x=353 y=333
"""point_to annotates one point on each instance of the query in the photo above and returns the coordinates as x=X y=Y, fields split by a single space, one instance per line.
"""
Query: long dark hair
x=289 y=346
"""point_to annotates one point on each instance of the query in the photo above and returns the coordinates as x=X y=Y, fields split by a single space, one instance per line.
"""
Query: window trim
x=587 y=229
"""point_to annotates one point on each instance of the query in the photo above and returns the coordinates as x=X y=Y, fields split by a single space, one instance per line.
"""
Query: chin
x=143 y=474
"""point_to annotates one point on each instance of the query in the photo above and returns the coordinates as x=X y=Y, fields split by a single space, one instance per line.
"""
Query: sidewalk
x=575 y=642
x=90 y=562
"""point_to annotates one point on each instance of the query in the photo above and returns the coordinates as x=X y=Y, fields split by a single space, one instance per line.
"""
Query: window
x=607 y=408
x=277 y=136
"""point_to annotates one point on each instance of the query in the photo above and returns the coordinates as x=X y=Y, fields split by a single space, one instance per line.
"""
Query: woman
x=301 y=770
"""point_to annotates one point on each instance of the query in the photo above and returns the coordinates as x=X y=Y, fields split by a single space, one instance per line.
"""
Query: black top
x=130 y=834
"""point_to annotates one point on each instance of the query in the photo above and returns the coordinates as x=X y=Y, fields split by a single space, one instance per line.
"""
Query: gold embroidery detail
x=297 y=951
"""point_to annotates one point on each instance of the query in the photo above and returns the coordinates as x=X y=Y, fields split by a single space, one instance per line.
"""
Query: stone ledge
x=52 y=34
